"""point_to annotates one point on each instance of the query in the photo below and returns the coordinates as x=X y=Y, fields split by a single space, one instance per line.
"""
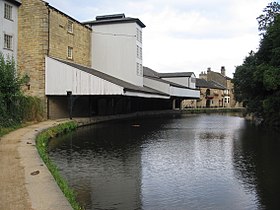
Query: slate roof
x=149 y=73
x=202 y=83
x=111 y=19
x=176 y=74
x=116 y=81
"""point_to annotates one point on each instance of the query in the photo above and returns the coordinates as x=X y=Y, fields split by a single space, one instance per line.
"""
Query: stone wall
x=33 y=44
x=43 y=31
x=61 y=38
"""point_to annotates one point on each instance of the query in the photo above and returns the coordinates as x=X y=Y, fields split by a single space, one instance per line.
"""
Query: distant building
x=216 y=90
x=9 y=27
x=180 y=86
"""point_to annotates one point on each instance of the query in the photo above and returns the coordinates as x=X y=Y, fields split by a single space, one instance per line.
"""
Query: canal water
x=194 y=162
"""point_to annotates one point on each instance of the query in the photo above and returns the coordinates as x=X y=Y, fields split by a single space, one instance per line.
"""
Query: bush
x=15 y=108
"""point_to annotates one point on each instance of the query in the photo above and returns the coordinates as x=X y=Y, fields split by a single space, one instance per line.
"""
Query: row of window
x=139 y=35
x=8 y=12
x=139 y=52
x=139 y=69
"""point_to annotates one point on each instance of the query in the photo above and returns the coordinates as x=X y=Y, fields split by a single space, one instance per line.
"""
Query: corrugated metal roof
x=125 y=85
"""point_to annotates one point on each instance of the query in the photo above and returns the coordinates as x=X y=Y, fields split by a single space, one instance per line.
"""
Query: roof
x=114 y=19
x=176 y=74
x=202 y=83
x=119 y=82
x=15 y=2
x=151 y=74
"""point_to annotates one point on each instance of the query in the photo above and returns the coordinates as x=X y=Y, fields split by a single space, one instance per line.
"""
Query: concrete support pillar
x=174 y=104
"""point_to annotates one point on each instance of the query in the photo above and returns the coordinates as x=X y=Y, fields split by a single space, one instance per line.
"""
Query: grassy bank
x=4 y=131
x=42 y=141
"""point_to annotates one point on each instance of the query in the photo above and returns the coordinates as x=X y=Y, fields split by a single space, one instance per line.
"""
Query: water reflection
x=257 y=165
x=192 y=162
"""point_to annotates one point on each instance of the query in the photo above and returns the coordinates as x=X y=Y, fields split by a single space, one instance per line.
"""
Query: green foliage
x=14 y=106
x=257 y=80
x=267 y=18
x=42 y=141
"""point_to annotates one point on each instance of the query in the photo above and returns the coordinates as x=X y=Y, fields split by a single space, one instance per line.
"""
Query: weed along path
x=25 y=181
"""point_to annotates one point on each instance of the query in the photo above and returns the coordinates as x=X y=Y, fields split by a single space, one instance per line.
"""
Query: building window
x=8 y=42
x=8 y=12
x=139 y=52
x=70 y=53
x=70 y=26
x=139 y=35
x=139 y=69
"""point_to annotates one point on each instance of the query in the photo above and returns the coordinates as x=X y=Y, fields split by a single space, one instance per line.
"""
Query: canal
x=206 y=161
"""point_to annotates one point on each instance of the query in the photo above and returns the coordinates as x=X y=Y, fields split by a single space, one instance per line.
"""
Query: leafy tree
x=10 y=84
x=257 y=80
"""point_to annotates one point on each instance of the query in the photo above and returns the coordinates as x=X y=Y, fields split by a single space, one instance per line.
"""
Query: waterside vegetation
x=42 y=141
x=257 y=80
x=15 y=107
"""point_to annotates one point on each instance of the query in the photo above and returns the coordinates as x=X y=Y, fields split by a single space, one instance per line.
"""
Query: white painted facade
x=61 y=78
x=9 y=28
x=171 y=90
x=184 y=92
x=185 y=81
x=114 y=51
x=157 y=85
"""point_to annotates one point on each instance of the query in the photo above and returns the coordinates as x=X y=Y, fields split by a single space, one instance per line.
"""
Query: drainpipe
x=49 y=23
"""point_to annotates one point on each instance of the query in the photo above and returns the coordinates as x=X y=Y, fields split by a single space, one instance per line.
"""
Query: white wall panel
x=114 y=51
x=186 y=93
x=61 y=78
x=157 y=85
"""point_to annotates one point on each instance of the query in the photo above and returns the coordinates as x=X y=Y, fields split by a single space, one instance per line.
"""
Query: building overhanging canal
x=84 y=92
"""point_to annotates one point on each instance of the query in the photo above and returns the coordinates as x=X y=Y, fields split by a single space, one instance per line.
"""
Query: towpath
x=25 y=182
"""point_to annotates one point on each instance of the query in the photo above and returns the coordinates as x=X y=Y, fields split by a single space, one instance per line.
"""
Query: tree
x=10 y=84
x=270 y=12
x=257 y=80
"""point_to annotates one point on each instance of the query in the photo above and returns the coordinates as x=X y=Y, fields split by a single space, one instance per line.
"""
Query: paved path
x=19 y=190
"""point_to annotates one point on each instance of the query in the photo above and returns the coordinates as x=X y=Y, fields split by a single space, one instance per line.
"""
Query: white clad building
x=117 y=47
x=9 y=27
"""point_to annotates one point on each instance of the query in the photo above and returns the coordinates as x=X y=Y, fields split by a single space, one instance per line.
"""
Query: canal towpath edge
x=25 y=181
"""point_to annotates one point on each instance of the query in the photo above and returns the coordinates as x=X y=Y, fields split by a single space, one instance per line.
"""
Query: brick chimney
x=223 y=71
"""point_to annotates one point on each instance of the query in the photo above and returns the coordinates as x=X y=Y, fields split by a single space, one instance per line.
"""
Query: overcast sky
x=184 y=35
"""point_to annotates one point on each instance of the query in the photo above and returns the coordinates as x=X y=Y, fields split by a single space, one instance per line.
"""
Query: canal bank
x=26 y=182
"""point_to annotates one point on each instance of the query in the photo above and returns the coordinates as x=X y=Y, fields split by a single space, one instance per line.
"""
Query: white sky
x=184 y=35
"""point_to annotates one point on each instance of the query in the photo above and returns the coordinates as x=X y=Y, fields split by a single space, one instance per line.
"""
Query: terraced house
x=90 y=68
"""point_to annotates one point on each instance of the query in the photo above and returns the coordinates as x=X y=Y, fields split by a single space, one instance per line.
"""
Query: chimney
x=208 y=69
x=223 y=71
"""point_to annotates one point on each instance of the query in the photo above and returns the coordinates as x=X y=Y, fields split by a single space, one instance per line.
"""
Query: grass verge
x=42 y=141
